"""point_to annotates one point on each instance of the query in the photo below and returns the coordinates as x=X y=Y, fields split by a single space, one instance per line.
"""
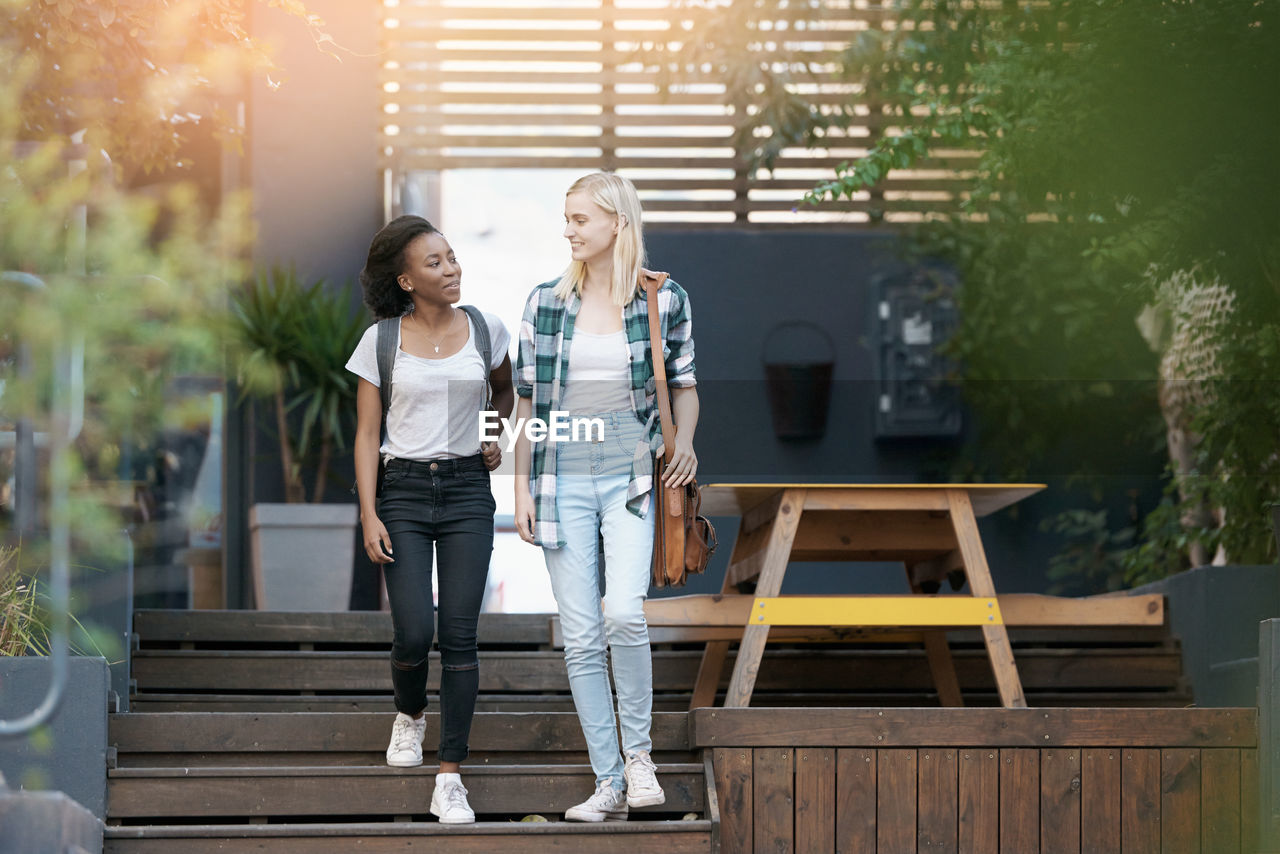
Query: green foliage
x=143 y=308
x=1109 y=113
x=136 y=283
x=91 y=97
x=1052 y=362
x=1091 y=561
x=294 y=341
x=134 y=75
x=133 y=285
x=1238 y=458
x=24 y=623
x=725 y=47
x=26 y=618
x=1166 y=536
x=1119 y=142
x=1101 y=555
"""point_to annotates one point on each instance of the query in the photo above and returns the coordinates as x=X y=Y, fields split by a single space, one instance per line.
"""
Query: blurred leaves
x=1102 y=553
x=1118 y=142
x=147 y=305
x=134 y=74
x=136 y=283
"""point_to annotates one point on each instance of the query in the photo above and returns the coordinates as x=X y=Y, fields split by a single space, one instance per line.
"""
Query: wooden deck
x=265 y=731
x=969 y=780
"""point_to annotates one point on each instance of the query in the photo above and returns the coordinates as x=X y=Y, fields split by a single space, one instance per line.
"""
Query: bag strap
x=484 y=346
x=388 y=341
x=653 y=283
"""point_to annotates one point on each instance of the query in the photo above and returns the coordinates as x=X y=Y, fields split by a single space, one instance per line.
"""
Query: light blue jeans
x=591 y=493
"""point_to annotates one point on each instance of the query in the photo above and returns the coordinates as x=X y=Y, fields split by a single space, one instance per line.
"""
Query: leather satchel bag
x=683 y=541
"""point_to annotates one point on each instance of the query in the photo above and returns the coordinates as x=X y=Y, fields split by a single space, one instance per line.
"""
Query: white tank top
x=599 y=374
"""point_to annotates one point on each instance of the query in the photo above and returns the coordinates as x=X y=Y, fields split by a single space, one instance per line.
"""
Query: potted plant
x=68 y=752
x=296 y=339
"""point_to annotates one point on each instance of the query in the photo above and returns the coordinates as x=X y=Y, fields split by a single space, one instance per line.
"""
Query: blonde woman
x=584 y=351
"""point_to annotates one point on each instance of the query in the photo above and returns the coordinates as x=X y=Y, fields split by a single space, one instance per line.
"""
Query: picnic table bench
x=930 y=528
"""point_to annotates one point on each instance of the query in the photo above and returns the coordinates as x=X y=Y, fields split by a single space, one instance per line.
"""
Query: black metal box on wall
x=915 y=314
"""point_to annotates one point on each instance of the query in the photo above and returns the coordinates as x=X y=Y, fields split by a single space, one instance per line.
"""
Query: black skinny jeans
x=446 y=504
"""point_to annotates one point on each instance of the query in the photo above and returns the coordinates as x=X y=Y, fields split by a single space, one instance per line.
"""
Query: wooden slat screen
x=532 y=84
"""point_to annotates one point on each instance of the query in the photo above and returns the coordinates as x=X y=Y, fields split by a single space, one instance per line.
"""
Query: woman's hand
x=683 y=466
x=377 y=542
x=492 y=455
x=524 y=515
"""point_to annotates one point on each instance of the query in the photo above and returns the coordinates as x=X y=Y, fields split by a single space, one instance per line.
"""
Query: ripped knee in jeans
x=400 y=665
x=473 y=665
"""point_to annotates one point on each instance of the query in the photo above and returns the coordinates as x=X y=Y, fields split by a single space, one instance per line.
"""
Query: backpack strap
x=388 y=342
x=484 y=346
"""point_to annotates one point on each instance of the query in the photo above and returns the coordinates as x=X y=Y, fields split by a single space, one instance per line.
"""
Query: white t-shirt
x=422 y=390
x=599 y=374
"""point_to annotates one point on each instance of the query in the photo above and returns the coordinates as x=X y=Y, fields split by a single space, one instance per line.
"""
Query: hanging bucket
x=799 y=361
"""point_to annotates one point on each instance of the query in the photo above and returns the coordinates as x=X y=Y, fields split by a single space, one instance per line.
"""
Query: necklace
x=447 y=330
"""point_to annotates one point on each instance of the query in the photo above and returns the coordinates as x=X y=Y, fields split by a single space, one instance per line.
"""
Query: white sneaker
x=642 y=781
x=405 y=749
x=449 y=801
x=607 y=804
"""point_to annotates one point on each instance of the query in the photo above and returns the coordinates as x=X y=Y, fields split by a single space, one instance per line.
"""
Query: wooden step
x=263 y=629
x=324 y=662
x=364 y=791
x=352 y=738
x=150 y=703
x=160 y=701
x=554 y=837
x=295 y=628
x=276 y=672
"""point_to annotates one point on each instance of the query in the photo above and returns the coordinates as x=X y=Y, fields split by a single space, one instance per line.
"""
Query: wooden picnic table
x=931 y=528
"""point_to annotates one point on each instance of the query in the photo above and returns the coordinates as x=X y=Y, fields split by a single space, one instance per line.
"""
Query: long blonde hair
x=616 y=195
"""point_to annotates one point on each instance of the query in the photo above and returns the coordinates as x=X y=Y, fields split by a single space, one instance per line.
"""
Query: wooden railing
x=1015 y=781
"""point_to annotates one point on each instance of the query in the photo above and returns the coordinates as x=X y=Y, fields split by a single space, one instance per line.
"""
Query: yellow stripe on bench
x=700 y=617
x=1018 y=609
x=876 y=611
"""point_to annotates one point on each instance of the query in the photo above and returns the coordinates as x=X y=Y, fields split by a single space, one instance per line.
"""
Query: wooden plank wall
x=1017 y=781
x=561 y=84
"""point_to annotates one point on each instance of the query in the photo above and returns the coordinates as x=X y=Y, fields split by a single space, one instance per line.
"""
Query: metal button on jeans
x=435 y=466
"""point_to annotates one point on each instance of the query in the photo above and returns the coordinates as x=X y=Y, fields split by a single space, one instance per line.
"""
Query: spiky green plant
x=24 y=622
x=27 y=618
x=295 y=340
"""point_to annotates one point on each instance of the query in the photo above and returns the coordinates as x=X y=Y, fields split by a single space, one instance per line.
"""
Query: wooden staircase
x=262 y=745
x=259 y=731
x=218 y=661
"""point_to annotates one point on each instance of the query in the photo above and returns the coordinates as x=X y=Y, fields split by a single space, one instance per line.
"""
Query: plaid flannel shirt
x=542 y=369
